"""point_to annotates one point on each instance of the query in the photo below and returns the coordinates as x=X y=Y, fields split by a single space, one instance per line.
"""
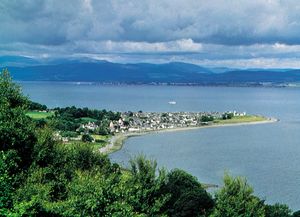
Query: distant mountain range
x=27 y=69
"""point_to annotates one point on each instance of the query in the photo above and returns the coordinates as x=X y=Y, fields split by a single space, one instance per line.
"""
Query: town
x=154 y=121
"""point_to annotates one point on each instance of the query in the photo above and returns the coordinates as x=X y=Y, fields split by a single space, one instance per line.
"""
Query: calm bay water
x=268 y=155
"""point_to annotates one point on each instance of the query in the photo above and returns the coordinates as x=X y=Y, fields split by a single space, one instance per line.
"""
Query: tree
x=296 y=214
x=37 y=106
x=227 y=115
x=278 y=210
x=31 y=198
x=16 y=129
x=43 y=151
x=92 y=194
x=84 y=157
x=206 y=118
x=193 y=203
x=17 y=138
x=10 y=93
x=236 y=199
x=145 y=187
x=103 y=128
x=188 y=197
x=87 y=138
x=8 y=167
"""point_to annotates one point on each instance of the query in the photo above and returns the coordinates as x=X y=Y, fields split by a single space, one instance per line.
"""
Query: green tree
x=8 y=167
x=278 y=210
x=11 y=94
x=103 y=128
x=227 y=116
x=93 y=194
x=63 y=185
x=145 y=187
x=36 y=106
x=16 y=129
x=43 y=151
x=17 y=138
x=296 y=214
x=206 y=118
x=87 y=138
x=188 y=197
x=32 y=197
x=84 y=158
x=236 y=199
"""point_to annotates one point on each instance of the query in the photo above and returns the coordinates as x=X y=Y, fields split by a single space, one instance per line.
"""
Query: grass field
x=101 y=141
x=39 y=115
x=100 y=137
x=241 y=119
x=86 y=120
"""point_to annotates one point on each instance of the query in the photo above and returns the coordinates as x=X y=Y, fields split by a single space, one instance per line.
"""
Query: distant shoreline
x=99 y=83
x=117 y=141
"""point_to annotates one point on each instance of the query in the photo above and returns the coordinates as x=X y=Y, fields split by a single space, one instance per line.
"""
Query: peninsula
x=106 y=131
x=141 y=123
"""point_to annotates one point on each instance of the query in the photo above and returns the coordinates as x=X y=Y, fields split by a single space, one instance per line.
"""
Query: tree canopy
x=236 y=199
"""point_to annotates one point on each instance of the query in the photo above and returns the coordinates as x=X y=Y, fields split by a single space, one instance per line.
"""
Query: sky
x=218 y=33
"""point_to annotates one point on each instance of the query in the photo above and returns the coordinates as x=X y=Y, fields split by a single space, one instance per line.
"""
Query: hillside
x=146 y=73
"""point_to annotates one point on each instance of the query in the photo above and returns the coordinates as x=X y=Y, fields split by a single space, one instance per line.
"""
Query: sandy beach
x=116 y=142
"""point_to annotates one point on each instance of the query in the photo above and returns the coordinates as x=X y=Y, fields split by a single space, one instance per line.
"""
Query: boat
x=172 y=102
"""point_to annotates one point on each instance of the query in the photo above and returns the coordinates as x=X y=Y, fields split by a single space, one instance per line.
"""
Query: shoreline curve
x=116 y=142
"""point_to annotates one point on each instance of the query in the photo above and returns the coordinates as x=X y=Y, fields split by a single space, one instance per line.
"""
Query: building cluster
x=90 y=126
x=235 y=113
x=147 y=121
x=153 y=121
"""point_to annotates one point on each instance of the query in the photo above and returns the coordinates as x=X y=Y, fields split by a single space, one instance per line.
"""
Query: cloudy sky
x=241 y=33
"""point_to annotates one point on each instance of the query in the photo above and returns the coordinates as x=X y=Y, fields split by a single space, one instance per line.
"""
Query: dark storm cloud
x=222 y=22
x=215 y=29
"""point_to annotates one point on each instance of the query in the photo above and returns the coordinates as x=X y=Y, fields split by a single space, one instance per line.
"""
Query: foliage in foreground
x=236 y=198
x=40 y=177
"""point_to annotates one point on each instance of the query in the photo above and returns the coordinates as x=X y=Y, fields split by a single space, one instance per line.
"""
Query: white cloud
x=216 y=21
x=279 y=46
x=267 y=63
x=87 y=4
x=244 y=32
x=186 y=50
x=183 y=45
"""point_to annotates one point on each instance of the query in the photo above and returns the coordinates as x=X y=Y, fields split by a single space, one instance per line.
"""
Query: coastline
x=116 y=142
x=188 y=84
